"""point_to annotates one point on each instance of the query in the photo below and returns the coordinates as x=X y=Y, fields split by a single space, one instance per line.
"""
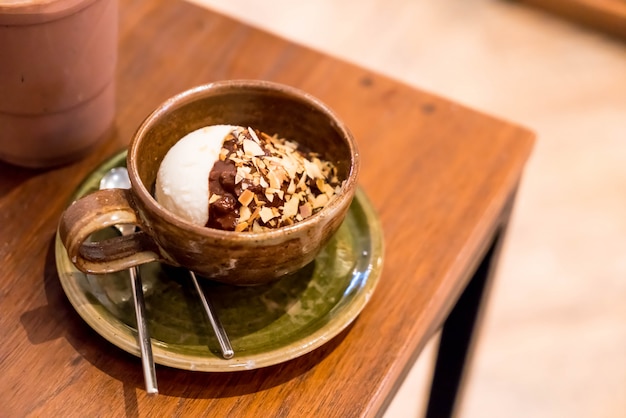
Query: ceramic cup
x=57 y=69
x=240 y=258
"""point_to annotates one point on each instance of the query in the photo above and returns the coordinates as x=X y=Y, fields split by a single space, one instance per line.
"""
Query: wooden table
x=441 y=176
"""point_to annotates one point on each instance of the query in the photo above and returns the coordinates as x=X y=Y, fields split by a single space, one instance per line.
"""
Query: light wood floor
x=554 y=342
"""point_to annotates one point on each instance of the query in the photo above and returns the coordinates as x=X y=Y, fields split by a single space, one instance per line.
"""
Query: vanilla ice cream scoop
x=182 y=184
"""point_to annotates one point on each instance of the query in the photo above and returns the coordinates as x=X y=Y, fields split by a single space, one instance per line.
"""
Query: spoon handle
x=220 y=332
x=147 y=361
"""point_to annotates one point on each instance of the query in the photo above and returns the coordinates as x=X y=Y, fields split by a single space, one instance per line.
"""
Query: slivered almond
x=273 y=179
x=253 y=135
x=256 y=227
x=290 y=144
x=328 y=190
x=312 y=169
x=306 y=210
x=242 y=226
x=290 y=208
x=290 y=167
x=266 y=214
x=302 y=183
x=237 y=161
x=244 y=214
x=246 y=197
x=320 y=183
x=255 y=214
x=251 y=148
x=320 y=201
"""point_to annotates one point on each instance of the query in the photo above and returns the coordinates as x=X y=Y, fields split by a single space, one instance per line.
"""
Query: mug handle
x=99 y=210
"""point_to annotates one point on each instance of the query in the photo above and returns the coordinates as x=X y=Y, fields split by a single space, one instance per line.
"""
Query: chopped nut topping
x=275 y=183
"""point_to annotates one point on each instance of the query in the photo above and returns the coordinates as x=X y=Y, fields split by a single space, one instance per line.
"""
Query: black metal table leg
x=459 y=332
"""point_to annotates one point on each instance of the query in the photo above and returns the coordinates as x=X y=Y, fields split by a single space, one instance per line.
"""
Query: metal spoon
x=117 y=178
x=220 y=332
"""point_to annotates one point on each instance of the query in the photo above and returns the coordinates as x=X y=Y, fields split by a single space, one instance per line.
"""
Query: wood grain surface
x=438 y=174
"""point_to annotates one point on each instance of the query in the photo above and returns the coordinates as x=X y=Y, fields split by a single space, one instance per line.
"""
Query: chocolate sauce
x=224 y=212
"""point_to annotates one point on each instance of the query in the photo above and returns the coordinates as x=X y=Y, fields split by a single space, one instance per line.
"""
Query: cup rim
x=347 y=190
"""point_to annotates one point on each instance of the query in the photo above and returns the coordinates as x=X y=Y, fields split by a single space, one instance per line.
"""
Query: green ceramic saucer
x=266 y=324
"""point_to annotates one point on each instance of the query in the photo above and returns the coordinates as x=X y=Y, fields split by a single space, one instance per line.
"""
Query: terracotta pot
x=57 y=70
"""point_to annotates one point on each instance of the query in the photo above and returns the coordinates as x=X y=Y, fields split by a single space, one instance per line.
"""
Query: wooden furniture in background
x=441 y=176
x=608 y=16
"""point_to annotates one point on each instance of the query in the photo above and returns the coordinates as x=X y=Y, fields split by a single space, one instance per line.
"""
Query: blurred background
x=554 y=338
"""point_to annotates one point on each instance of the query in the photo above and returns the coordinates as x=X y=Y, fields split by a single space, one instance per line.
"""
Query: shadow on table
x=58 y=319
x=13 y=176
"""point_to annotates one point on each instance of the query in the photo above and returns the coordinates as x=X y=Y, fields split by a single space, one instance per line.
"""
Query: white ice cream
x=182 y=184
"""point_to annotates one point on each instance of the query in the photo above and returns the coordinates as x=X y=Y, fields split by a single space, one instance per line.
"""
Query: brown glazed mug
x=240 y=258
